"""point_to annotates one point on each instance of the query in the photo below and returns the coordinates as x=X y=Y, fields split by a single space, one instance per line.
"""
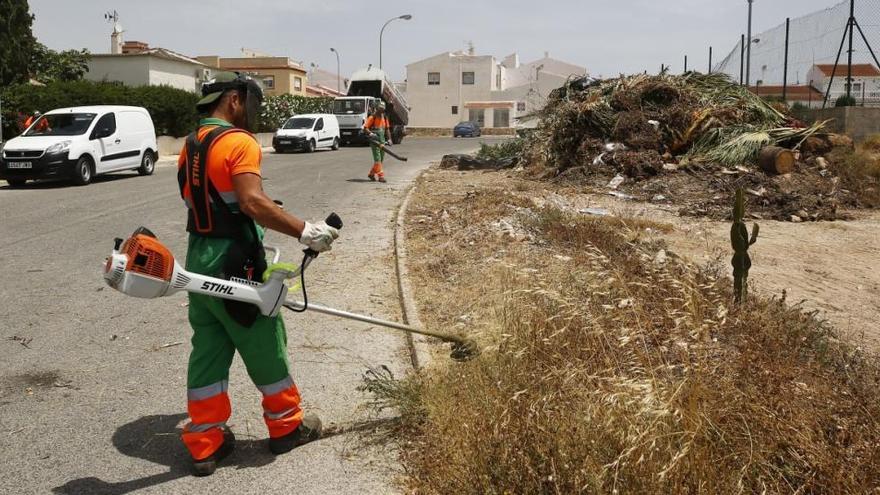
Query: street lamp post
x=338 y=85
x=405 y=17
x=749 y=47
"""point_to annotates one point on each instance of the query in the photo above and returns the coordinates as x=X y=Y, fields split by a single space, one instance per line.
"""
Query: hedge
x=278 y=109
x=173 y=110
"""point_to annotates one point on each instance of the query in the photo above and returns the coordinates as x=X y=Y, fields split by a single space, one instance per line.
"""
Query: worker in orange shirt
x=33 y=118
x=378 y=129
x=220 y=182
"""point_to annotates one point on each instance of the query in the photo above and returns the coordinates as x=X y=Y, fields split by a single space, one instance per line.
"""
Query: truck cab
x=352 y=112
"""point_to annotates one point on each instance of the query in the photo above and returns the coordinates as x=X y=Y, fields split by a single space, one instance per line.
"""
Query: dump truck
x=367 y=87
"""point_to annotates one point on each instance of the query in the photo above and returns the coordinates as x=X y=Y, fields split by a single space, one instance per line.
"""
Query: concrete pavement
x=93 y=383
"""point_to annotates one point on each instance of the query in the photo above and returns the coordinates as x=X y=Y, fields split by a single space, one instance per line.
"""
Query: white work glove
x=318 y=236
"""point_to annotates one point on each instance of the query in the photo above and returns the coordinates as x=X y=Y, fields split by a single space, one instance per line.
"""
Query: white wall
x=871 y=85
x=432 y=105
x=131 y=71
x=177 y=74
x=533 y=94
x=143 y=70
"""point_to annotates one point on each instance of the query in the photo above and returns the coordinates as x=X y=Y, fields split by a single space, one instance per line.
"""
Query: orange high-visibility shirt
x=374 y=122
x=232 y=154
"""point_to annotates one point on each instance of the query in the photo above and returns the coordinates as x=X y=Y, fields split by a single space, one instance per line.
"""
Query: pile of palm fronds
x=703 y=117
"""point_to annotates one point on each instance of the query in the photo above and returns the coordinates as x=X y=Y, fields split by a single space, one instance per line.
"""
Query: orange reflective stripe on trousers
x=281 y=409
x=209 y=409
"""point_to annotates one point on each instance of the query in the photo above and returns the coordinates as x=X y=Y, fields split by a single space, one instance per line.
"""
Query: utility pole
x=685 y=64
x=742 y=57
x=852 y=22
x=749 y=48
x=710 y=60
x=785 y=65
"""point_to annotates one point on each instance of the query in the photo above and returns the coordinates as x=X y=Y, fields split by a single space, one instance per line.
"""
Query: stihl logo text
x=218 y=288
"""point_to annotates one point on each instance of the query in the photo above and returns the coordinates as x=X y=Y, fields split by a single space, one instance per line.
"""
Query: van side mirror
x=102 y=132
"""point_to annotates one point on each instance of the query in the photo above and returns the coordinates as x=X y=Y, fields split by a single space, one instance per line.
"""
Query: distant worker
x=31 y=119
x=220 y=181
x=378 y=129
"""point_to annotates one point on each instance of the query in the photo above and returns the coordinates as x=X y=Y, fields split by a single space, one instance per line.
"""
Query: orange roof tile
x=858 y=70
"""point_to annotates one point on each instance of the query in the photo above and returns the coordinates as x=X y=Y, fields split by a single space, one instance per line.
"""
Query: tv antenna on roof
x=113 y=16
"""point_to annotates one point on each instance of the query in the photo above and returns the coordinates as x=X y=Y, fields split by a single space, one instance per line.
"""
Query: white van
x=307 y=132
x=81 y=142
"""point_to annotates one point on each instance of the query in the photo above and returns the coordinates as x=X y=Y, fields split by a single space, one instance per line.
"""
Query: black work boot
x=208 y=465
x=309 y=430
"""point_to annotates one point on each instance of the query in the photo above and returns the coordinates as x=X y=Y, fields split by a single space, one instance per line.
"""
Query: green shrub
x=173 y=110
x=845 y=101
x=278 y=109
x=508 y=149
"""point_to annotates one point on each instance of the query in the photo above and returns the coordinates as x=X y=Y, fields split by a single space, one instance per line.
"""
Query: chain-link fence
x=814 y=42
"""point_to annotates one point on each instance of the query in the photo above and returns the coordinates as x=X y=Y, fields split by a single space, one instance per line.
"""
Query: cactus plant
x=740 y=241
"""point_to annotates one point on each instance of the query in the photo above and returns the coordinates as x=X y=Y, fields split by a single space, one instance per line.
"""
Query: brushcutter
x=141 y=266
x=386 y=149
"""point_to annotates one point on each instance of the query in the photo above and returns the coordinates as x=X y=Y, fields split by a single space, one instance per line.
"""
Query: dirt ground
x=830 y=267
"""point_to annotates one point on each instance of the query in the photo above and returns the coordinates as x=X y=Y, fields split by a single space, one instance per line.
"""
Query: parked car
x=467 y=129
x=80 y=143
x=307 y=132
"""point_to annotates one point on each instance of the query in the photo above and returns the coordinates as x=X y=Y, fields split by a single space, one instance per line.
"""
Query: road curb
x=419 y=348
x=171 y=160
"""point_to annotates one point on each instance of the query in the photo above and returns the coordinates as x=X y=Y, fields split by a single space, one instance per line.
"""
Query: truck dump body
x=366 y=86
x=373 y=82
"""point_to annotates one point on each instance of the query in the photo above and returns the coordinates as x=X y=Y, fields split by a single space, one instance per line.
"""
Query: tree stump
x=776 y=161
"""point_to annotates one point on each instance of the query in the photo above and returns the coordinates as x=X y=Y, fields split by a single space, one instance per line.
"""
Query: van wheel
x=16 y=182
x=148 y=163
x=335 y=144
x=83 y=171
x=310 y=148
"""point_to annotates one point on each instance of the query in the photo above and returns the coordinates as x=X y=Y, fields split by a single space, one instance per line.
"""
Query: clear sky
x=606 y=36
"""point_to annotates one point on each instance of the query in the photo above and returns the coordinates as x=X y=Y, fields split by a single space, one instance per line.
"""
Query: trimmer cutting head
x=464 y=350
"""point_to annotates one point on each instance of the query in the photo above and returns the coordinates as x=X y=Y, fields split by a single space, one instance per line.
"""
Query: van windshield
x=342 y=107
x=61 y=124
x=299 y=123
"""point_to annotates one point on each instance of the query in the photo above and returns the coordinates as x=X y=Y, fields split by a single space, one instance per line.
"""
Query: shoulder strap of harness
x=202 y=191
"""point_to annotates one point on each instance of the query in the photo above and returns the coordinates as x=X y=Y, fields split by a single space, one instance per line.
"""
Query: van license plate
x=20 y=165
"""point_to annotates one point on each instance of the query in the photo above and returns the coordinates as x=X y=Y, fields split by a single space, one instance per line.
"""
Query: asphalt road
x=93 y=383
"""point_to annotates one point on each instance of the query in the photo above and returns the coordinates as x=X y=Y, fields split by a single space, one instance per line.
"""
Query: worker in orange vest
x=31 y=119
x=378 y=129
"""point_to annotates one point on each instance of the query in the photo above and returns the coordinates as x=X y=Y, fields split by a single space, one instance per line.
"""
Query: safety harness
x=246 y=258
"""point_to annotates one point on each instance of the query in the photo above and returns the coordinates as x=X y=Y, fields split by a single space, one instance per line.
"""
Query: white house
x=140 y=65
x=455 y=86
x=865 y=82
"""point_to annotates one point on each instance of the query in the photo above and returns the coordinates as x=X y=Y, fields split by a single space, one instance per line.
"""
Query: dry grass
x=859 y=171
x=607 y=371
x=872 y=143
